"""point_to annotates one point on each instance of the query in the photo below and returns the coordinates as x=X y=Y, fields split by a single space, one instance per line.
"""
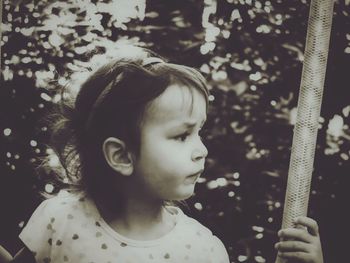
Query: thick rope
x=308 y=113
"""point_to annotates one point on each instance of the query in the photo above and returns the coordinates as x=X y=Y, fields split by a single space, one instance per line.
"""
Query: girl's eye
x=182 y=137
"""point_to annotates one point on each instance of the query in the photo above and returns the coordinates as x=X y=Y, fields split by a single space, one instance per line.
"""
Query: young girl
x=135 y=128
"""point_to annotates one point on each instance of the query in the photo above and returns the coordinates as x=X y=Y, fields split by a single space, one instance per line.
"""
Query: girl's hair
x=111 y=103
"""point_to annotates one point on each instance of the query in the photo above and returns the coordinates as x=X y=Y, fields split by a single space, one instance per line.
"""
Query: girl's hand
x=301 y=244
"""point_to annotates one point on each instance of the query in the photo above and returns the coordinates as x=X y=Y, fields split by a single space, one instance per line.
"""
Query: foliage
x=251 y=53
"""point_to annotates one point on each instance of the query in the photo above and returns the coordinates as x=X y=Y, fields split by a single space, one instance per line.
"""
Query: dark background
x=251 y=55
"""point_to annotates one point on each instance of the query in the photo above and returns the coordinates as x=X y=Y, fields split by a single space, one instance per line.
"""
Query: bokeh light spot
x=7 y=132
x=198 y=206
x=33 y=143
x=49 y=188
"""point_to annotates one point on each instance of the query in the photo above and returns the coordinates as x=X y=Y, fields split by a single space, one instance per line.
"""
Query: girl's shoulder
x=61 y=200
x=63 y=206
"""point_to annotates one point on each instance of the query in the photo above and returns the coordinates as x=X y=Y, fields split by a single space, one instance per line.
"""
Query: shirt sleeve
x=218 y=251
x=37 y=234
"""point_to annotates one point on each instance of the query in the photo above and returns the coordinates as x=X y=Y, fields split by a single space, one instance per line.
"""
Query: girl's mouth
x=195 y=176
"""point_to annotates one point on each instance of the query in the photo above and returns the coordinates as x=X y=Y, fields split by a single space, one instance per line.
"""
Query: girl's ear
x=117 y=156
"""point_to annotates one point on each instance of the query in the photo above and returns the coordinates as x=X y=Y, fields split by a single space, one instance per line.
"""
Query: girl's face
x=172 y=154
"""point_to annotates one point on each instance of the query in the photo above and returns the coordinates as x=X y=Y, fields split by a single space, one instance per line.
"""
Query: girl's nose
x=200 y=152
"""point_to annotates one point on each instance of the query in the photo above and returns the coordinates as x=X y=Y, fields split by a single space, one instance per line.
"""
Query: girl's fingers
x=311 y=224
x=295 y=234
x=292 y=246
x=299 y=256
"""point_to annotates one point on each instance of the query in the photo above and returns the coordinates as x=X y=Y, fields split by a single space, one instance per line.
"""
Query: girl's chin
x=185 y=193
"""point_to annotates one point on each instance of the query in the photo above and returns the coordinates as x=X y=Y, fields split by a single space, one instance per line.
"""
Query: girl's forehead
x=176 y=102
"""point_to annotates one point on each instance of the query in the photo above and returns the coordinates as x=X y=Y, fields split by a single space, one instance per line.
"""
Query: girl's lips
x=195 y=174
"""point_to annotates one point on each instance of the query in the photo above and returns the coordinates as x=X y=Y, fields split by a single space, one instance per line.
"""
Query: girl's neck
x=138 y=218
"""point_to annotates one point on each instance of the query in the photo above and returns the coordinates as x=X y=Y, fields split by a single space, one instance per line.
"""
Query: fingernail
x=280 y=233
x=276 y=245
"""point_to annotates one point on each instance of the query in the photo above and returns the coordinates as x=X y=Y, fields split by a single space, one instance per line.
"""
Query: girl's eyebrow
x=191 y=123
